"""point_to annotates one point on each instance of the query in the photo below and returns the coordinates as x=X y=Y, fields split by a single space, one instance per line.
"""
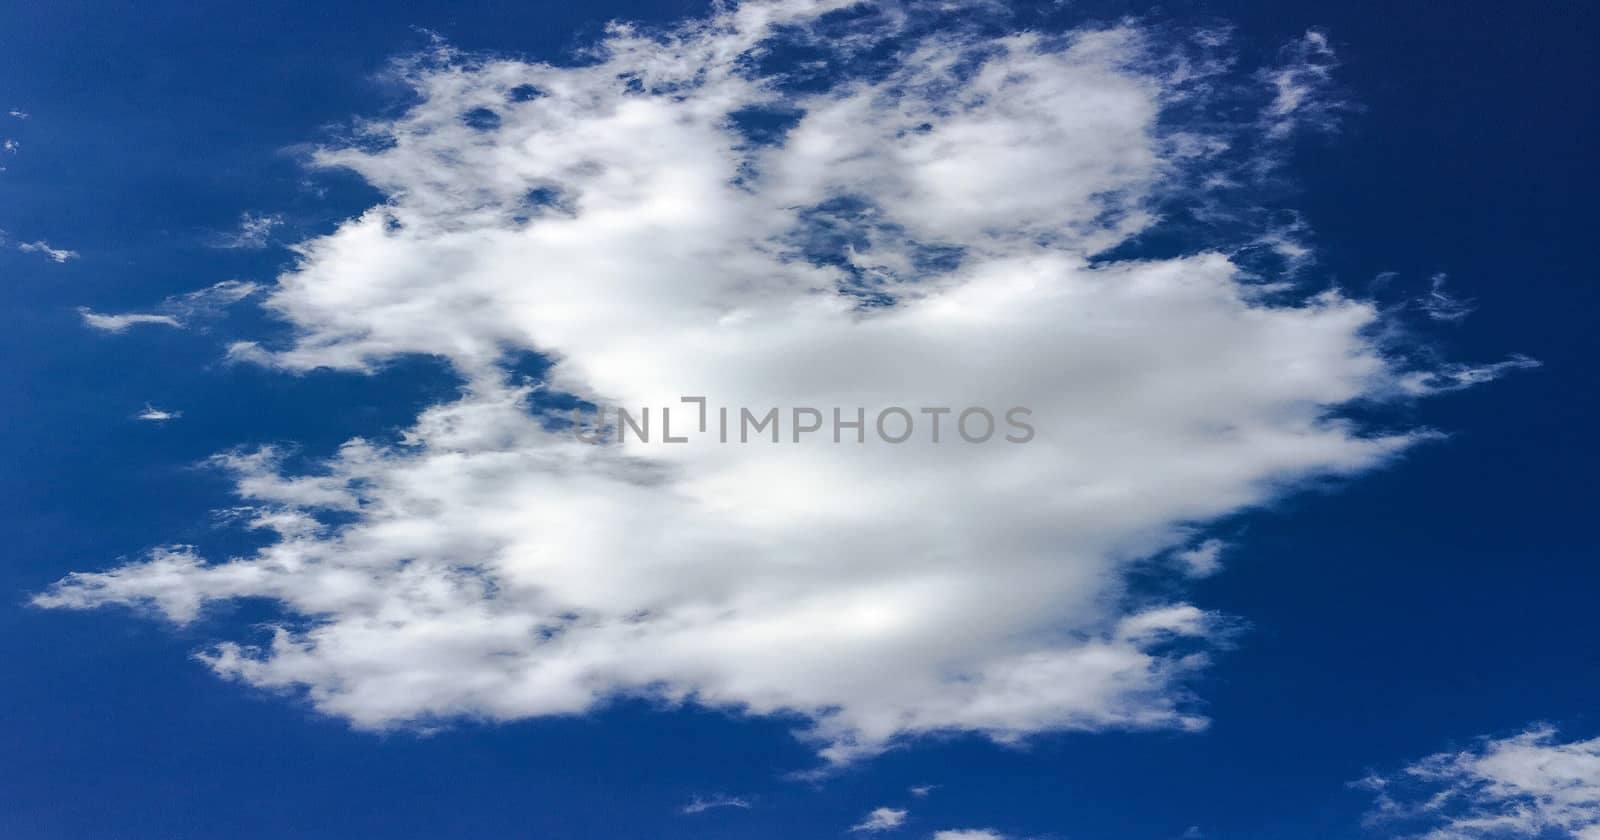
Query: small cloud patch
x=254 y=233
x=881 y=819
x=59 y=255
x=706 y=803
x=157 y=415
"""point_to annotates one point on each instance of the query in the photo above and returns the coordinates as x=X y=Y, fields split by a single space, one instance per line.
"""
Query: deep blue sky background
x=1451 y=596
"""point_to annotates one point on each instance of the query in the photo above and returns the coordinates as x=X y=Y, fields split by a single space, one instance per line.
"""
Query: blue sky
x=1396 y=491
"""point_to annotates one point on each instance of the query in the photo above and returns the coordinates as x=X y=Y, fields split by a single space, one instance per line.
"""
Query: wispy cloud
x=1529 y=785
x=59 y=255
x=1302 y=87
x=18 y=113
x=254 y=232
x=922 y=790
x=1455 y=376
x=118 y=323
x=1441 y=305
x=177 y=311
x=706 y=803
x=968 y=834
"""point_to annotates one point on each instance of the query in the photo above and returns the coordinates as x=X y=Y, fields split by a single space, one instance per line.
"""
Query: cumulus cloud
x=684 y=214
x=881 y=819
x=1531 y=785
x=59 y=255
x=706 y=803
x=177 y=311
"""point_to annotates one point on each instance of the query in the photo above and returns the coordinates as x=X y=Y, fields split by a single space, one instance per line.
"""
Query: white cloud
x=157 y=415
x=922 y=790
x=881 y=819
x=18 y=113
x=118 y=323
x=59 y=255
x=177 y=311
x=1453 y=377
x=1443 y=306
x=1301 y=87
x=706 y=803
x=969 y=834
x=1530 y=785
x=255 y=231
x=11 y=145
x=923 y=237
x=1203 y=560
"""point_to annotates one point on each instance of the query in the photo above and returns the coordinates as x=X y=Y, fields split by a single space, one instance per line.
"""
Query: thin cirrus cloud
x=700 y=804
x=119 y=323
x=1301 y=87
x=1441 y=305
x=178 y=311
x=1533 y=784
x=683 y=214
x=254 y=232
